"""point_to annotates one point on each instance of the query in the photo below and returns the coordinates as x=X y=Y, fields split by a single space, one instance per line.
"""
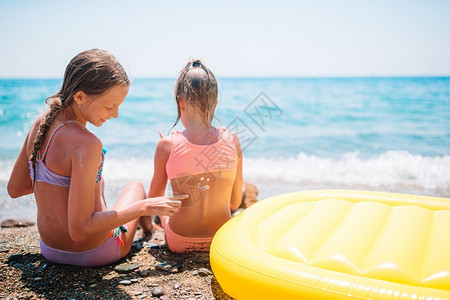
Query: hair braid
x=47 y=121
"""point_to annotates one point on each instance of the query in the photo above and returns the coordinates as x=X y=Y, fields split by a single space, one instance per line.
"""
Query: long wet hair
x=197 y=85
x=94 y=72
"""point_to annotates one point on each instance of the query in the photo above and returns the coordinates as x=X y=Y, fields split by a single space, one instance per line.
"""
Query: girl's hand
x=161 y=135
x=164 y=205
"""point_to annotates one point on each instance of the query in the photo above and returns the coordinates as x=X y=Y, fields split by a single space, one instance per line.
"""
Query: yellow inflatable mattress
x=335 y=244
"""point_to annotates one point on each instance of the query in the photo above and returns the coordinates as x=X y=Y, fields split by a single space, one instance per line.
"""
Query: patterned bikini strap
x=116 y=233
x=58 y=128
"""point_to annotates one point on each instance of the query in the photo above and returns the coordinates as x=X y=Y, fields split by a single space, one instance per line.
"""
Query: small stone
x=195 y=272
x=125 y=282
x=8 y=223
x=45 y=266
x=176 y=285
x=152 y=285
x=204 y=272
x=142 y=296
x=15 y=258
x=134 y=280
x=135 y=247
x=164 y=297
x=37 y=278
x=157 y=291
x=144 y=273
x=164 y=266
x=151 y=245
x=126 y=267
x=137 y=293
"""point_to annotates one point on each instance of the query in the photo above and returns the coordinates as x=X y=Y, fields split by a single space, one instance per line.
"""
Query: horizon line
x=253 y=77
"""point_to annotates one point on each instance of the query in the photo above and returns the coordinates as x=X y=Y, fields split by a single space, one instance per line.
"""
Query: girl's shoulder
x=165 y=144
x=229 y=134
x=84 y=148
x=78 y=141
x=231 y=137
x=32 y=133
x=36 y=123
x=83 y=139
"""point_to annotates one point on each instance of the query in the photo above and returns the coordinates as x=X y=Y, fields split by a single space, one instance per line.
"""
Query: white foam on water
x=389 y=169
x=5 y=169
x=128 y=169
x=393 y=171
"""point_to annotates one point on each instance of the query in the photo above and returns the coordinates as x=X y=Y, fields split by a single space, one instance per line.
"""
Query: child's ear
x=181 y=103
x=79 y=97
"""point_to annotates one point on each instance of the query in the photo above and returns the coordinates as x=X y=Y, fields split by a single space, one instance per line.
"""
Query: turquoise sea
x=383 y=134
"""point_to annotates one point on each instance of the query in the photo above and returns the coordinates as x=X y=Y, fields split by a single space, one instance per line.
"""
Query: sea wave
x=390 y=171
x=393 y=171
x=392 y=167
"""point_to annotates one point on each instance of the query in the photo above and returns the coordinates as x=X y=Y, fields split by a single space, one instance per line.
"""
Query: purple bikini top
x=44 y=174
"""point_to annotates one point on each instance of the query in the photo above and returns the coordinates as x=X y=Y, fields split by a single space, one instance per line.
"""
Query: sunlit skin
x=202 y=214
x=75 y=218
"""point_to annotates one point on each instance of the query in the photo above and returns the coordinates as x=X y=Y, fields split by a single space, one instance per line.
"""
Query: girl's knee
x=134 y=191
x=138 y=187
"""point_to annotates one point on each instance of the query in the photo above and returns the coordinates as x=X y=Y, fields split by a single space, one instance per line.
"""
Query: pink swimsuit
x=188 y=159
x=191 y=159
x=181 y=244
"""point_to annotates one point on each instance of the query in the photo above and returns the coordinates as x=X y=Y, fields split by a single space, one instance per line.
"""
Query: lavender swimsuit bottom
x=106 y=253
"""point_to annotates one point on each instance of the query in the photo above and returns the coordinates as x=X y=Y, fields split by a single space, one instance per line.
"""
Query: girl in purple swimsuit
x=61 y=163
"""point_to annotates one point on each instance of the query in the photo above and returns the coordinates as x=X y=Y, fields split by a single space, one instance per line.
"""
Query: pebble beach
x=150 y=271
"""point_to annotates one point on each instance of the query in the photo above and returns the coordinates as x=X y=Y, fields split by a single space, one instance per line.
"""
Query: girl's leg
x=102 y=188
x=146 y=223
x=133 y=192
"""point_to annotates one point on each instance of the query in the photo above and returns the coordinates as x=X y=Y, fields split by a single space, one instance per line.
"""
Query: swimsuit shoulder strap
x=56 y=130
x=177 y=137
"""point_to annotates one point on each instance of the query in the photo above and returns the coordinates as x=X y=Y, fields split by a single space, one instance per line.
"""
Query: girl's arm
x=84 y=221
x=159 y=180
x=20 y=183
x=236 y=194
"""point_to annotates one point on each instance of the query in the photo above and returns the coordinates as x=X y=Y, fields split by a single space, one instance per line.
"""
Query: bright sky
x=233 y=38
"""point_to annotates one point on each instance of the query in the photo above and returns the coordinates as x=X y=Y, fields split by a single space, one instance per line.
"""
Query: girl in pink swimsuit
x=61 y=164
x=202 y=161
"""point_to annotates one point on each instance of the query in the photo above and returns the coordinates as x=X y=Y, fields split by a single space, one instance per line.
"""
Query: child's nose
x=115 y=113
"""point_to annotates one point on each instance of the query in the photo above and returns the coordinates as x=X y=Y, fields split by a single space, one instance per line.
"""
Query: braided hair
x=94 y=72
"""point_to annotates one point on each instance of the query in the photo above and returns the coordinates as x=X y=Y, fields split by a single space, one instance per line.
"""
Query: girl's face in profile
x=103 y=107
